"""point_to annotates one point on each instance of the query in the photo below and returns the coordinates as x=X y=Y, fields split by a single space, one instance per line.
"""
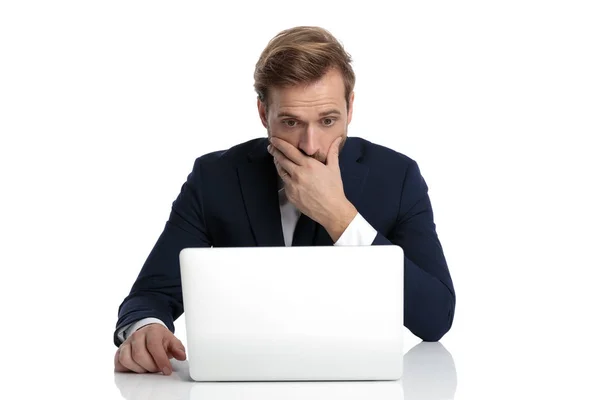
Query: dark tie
x=304 y=232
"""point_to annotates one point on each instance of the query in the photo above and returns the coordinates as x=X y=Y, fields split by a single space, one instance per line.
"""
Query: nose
x=308 y=141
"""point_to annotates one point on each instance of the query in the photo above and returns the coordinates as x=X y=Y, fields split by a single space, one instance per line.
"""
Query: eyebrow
x=321 y=114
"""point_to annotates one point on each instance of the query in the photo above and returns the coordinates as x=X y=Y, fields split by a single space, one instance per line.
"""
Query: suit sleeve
x=429 y=298
x=157 y=290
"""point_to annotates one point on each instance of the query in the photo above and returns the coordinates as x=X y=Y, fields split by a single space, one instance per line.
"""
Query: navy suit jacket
x=230 y=200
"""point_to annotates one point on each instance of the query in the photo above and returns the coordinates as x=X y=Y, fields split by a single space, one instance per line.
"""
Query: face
x=310 y=117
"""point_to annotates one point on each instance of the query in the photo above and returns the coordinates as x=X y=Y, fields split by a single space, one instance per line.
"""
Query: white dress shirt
x=358 y=233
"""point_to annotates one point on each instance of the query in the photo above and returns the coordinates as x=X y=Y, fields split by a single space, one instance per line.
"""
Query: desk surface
x=430 y=373
x=502 y=364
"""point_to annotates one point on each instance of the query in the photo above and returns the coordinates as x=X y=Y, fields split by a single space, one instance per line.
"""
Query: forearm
x=138 y=306
x=428 y=302
x=157 y=290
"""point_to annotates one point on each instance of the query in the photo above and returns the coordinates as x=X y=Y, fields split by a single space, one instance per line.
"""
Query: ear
x=262 y=112
x=350 y=106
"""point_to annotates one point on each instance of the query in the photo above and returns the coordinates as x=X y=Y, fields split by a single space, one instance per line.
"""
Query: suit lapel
x=258 y=181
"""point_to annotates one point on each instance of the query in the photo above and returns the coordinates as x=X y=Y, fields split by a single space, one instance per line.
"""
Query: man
x=307 y=184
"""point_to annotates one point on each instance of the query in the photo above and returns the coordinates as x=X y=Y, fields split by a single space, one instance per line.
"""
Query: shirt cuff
x=358 y=233
x=127 y=330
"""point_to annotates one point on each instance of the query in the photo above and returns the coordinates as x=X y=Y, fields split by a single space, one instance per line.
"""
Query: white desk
x=429 y=373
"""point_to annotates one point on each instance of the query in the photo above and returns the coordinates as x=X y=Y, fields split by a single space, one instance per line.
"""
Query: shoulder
x=396 y=172
x=375 y=155
x=232 y=156
x=221 y=163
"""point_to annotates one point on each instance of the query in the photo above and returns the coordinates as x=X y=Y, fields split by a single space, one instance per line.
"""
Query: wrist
x=339 y=219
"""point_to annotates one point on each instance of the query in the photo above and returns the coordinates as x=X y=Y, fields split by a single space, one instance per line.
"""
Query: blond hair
x=301 y=55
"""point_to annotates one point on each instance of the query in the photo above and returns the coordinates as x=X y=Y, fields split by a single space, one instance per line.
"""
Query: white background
x=105 y=105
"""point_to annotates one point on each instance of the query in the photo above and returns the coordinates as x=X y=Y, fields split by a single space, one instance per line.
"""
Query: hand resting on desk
x=149 y=349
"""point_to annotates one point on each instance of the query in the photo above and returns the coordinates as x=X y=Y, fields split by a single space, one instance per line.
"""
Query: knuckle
x=155 y=348
x=123 y=358
x=137 y=353
x=155 y=340
x=128 y=363
x=132 y=342
x=137 y=335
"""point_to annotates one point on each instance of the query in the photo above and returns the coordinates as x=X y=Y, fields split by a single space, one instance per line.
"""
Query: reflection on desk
x=429 y=373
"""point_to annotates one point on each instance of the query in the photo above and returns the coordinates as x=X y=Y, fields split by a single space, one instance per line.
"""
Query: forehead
x=327 y=92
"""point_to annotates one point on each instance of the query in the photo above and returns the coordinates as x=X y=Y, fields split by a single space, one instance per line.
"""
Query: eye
x=328 y=121
x=290 y=123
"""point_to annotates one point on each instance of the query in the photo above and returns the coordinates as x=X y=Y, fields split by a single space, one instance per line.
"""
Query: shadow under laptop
x=429 y=373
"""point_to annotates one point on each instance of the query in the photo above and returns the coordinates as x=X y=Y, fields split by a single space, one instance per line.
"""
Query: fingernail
x=166 y=371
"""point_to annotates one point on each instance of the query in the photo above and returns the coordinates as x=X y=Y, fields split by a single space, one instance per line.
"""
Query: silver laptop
x=293 y=313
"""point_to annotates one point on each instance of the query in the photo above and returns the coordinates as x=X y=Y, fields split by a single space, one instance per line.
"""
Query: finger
x=176 y=349
x=118 y=366
x=140 y=354
x=289 y=151
x=283 y=174
x=126 y=360
x=155 y=347
x=280 y=169
x=282 y=164
x=286 y=178
x=334 y=153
